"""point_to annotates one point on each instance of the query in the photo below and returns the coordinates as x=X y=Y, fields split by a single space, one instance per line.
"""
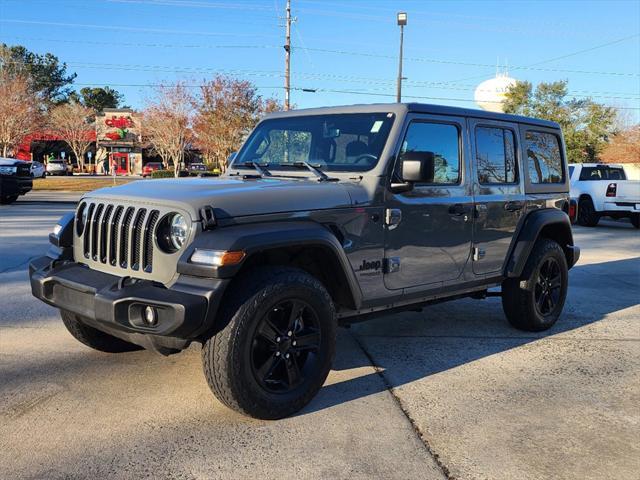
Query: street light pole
x=402 y=21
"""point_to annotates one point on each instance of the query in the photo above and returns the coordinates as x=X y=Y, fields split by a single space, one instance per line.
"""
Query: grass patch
x=78 y=184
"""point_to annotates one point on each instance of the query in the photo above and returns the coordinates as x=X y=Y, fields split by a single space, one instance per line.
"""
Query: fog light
x=150 y=316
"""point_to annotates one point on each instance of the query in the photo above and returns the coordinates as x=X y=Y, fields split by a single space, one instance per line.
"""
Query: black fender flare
x=534 y=223
x=259 y=237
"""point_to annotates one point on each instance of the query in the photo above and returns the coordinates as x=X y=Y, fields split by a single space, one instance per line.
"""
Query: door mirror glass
x=418 y=167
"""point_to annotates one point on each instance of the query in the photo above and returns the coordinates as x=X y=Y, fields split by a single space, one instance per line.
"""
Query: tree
x=72 y=122
x=48 y=77
x=98 y=98
x=20 y=110
x=624 y=147
x=586 y=125
x=226 y=111
x=167 y=124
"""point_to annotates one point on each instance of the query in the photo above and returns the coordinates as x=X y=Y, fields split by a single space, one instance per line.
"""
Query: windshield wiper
x=322 y=177
x=262 y=170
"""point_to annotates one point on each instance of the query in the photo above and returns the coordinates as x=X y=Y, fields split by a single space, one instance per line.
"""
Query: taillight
x=573 y=211
x=612 y=189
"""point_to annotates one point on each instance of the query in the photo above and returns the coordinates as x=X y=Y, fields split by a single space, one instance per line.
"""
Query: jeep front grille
x=119 y=236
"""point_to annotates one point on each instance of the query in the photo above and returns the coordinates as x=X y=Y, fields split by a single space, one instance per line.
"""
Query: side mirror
x=418 y=167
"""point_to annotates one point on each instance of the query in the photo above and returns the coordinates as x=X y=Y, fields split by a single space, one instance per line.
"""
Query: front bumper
x=115 y=305
x=15 y=185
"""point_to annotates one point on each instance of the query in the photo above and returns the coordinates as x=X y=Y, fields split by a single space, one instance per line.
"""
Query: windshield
x=337 y=142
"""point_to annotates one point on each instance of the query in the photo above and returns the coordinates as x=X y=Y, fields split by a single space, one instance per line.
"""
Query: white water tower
x=490 y=94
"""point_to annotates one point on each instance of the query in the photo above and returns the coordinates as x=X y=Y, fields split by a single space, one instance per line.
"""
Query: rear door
x=428 y=234
x=499 y=193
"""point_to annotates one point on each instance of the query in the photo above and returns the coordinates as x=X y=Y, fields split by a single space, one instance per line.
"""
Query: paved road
x=455 y=392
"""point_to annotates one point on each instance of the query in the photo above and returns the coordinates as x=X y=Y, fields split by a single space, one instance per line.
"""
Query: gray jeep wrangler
x=325 y=216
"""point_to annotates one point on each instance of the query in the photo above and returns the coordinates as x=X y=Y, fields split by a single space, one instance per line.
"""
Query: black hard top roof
x=416 y=108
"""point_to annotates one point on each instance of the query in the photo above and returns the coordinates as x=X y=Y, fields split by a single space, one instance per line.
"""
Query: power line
x=311 y=76
x=135 y=29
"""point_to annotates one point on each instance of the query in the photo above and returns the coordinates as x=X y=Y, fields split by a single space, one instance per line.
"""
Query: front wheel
x=93 y=338
x=277 y=344
x=534 y=301
x=8 y=199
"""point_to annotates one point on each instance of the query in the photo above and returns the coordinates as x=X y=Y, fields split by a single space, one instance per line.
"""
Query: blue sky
x=346 y=50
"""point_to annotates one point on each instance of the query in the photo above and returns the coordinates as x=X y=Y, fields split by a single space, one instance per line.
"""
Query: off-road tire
x=93 y=338
x=635 y=220
x=226 y=355
x=587 y=215
x=8 y=200
x=519 y=294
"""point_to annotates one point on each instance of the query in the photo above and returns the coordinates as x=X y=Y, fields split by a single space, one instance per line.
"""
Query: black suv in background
x=15 y=179
x=325 y=216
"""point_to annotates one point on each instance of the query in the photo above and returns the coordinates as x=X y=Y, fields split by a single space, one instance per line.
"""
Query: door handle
x=514 y=206
x=457 y=209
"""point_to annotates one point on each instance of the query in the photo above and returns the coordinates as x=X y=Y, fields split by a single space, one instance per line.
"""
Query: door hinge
x=392 y=217
x=478 y=253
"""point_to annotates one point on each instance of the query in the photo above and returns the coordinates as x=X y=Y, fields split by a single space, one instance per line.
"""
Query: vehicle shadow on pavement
x=410 y=346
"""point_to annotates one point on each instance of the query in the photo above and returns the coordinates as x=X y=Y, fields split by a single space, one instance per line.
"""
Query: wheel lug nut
x=277 y=354
x=289 y=333
x=278 y=339
x=294 y=343
x=287 y=356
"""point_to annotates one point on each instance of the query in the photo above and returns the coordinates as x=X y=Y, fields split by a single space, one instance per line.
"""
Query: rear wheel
x=277 y=346
x=587 y=214
x=534 y=301
x=94 y=338
x=635 y=220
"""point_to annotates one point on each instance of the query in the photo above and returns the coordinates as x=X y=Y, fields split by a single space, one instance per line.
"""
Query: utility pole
x=287 y=59
x=402 y=21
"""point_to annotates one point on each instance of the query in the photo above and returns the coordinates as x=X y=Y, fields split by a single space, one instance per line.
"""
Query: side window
x=495 y=155
x=543 y=157
x=441 y=139
x=571 y=169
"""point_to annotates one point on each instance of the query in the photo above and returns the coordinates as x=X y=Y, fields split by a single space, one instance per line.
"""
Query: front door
x=499 y=195
x=120 y=161
x=428 y=236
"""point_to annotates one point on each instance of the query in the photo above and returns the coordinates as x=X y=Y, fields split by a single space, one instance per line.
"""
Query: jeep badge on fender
x=261 y=265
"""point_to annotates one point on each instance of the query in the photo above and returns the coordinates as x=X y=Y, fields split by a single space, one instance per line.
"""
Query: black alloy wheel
x=285 y=346
x=547 y=289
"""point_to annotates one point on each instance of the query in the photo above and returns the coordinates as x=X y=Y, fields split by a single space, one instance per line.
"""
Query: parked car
x=58 y=167
x=325 y=215
x=603 y=190
x=197 y=168
x=150 y=167
x=38 y=170
x=15 y=179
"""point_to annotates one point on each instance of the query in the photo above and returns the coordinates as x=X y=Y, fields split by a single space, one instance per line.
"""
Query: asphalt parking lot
x=452 y=392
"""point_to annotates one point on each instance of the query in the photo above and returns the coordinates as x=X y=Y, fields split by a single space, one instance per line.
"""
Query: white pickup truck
x=602 y=190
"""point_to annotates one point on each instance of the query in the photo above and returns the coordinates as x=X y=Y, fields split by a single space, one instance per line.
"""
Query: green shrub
x=162 y=174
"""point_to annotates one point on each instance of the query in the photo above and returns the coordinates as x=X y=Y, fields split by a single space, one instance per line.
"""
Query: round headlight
x=178 y=231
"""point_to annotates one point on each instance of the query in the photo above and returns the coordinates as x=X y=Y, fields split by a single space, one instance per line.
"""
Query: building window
x=495 y=155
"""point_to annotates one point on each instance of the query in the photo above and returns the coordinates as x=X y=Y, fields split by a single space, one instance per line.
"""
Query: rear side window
x=441 y=139
x=543 y=157
x=571 y=169
x=495 y=155
x=602 y=173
